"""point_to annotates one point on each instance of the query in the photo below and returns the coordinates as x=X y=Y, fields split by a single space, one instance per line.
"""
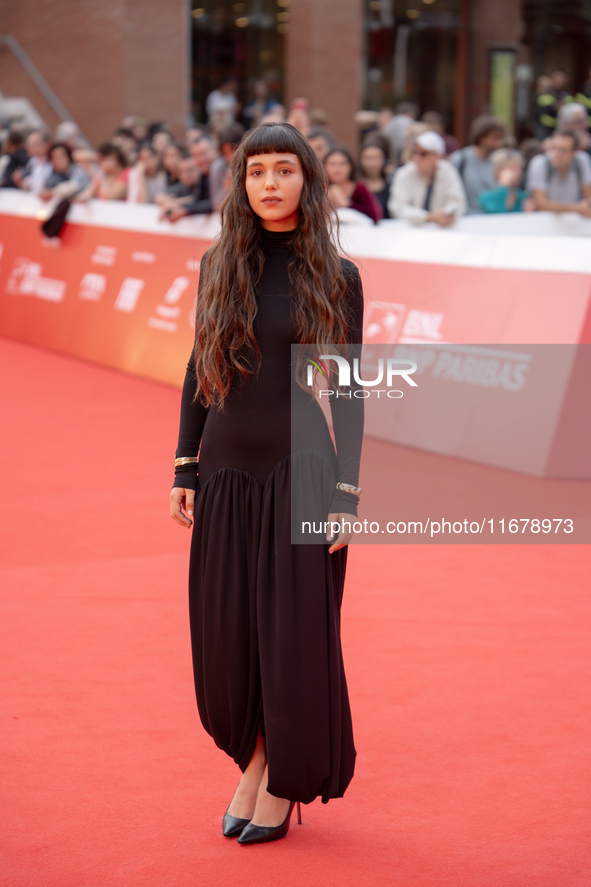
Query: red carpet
x=468 y=669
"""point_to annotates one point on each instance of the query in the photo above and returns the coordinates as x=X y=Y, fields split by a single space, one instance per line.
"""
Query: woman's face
x=160 y=141
x=274 y=185
x=372 y=161
x=171 y=158
x=59 y=160
x=150 y=161
x=338 y=169
x=109 y=165
x=320 y=146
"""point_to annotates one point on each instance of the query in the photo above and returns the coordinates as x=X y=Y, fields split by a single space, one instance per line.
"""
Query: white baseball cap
x=431 y=141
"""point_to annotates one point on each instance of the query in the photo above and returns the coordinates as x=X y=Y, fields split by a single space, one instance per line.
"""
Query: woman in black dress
x=264 y=610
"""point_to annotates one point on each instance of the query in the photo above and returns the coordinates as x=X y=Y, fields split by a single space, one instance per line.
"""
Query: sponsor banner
x=409 y=302
x=517 y=408
x=120 y=287
x=502 y=405
x=121 y=298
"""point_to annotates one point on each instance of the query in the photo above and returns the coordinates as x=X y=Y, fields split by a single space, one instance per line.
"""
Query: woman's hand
x=182 y=500
x=345 y=534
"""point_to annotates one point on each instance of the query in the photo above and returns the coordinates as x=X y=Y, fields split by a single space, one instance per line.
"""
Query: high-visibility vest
x=545 y=106
x=584 y=100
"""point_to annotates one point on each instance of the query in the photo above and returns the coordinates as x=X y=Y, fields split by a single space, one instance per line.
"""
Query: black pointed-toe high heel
x=232 y=826
x=259 y=834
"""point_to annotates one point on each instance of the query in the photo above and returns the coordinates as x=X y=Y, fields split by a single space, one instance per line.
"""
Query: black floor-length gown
x=265 y=613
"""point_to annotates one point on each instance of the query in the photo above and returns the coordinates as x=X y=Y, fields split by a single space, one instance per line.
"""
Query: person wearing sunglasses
x=428 y=188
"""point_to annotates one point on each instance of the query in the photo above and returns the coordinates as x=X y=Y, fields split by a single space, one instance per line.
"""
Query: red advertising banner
x=117 y=297
x=120 y=287
x=408 y=302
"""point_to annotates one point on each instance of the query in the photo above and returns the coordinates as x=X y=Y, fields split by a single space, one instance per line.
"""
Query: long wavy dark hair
x=224 y=338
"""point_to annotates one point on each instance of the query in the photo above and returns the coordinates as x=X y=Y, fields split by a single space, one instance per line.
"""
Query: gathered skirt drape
x=265 y=629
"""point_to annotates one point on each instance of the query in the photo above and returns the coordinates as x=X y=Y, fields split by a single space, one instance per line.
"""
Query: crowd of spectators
x=406 y=166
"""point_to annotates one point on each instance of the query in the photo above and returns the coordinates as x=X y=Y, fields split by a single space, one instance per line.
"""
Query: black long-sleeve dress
x=265 y=613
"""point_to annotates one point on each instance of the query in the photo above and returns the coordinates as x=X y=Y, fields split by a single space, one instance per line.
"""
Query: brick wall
x=324 y=60
x=115 y=57
x=103 y=59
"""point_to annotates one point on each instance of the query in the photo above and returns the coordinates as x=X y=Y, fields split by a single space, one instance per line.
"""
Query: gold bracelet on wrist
x=349 y=488
x=185 y=460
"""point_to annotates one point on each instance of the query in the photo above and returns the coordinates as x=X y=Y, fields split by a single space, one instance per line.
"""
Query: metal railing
x=36 y=76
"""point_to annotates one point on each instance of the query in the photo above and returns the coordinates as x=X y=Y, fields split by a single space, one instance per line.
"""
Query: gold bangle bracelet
x=185 y=460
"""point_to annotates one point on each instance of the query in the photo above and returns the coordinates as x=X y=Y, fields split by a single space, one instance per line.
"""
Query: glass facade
x=558 y=35
x=422 y=50
x=410 y=50
x=239 y=40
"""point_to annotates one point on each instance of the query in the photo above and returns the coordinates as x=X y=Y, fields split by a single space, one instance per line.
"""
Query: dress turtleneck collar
x=276 y=241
